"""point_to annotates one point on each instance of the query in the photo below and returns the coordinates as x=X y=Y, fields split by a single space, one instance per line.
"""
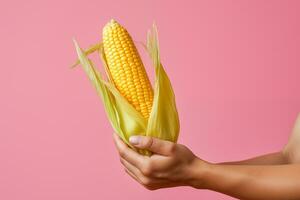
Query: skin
x=272 y=176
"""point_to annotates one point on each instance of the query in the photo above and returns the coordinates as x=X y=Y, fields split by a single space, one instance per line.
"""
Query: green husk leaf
x=87 y=52
x=163 y=122
x=101 y=89
x=125 y=120
x=104 y=63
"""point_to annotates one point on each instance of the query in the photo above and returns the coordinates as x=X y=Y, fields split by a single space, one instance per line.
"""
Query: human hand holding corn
x=170 y=165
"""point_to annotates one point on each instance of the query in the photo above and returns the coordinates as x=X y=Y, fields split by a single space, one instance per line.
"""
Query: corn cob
x=127 y=95
x=126 y=69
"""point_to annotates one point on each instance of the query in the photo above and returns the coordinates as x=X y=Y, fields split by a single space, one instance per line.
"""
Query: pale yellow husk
x=126 y=121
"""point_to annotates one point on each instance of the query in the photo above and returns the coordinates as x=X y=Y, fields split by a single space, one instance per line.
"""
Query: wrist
x=199 y=172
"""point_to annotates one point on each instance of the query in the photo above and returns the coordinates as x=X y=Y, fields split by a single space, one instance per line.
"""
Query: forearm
x=250 y=181
x=277 y=158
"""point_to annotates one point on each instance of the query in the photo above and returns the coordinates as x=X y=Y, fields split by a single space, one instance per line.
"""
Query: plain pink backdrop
x=234 y=66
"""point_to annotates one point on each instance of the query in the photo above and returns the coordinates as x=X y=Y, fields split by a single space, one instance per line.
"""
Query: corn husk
x=163 y=122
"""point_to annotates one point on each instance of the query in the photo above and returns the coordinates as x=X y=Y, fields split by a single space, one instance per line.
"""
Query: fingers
x=148 y=182
x=151 y=183
x=132 y=175
x=132 y=169
x=155 y=145
x=127 y=153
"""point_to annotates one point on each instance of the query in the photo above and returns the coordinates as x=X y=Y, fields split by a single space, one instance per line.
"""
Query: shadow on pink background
x=234 y=66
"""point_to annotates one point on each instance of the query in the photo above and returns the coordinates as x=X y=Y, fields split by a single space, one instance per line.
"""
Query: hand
x=171 y=164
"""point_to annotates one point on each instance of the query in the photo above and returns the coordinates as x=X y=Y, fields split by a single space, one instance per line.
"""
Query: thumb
x=152 y=144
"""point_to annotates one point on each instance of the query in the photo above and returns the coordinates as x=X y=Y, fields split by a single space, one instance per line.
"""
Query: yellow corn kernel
x=126 y=69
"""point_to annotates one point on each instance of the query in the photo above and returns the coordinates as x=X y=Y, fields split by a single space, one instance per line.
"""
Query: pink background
x=234 y=66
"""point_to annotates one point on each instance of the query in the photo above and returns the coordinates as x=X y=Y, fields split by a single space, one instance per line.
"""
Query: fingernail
x=134 y=140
